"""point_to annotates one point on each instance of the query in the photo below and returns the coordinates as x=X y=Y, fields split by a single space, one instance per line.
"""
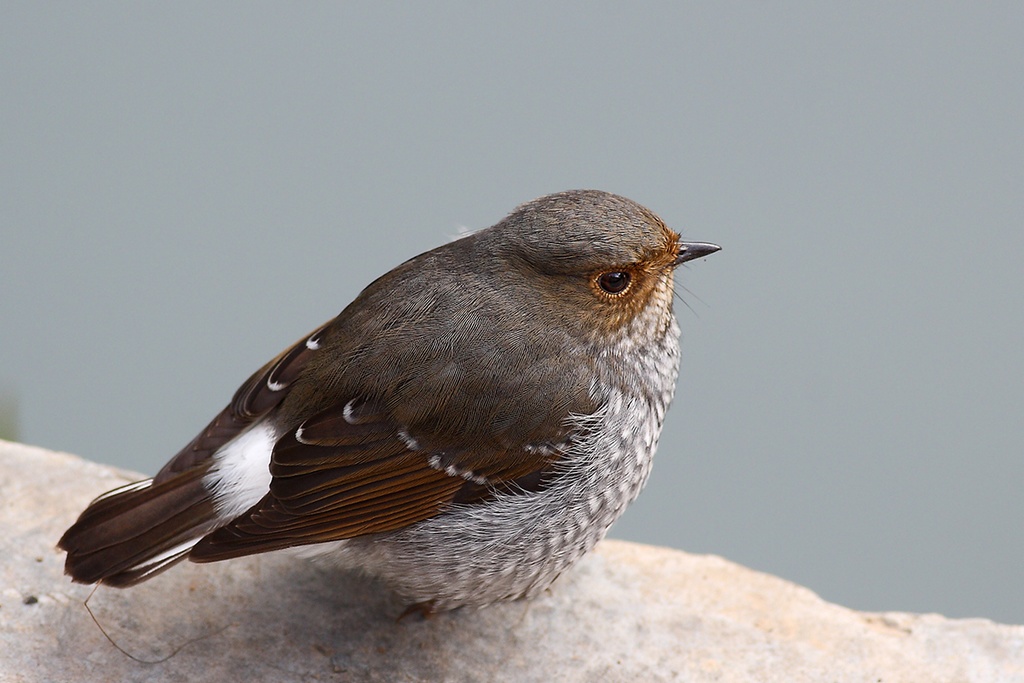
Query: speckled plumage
x=466 y=429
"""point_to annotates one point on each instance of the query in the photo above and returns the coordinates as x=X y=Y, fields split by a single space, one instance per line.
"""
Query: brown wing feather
x=352 y=471
x=260 y=394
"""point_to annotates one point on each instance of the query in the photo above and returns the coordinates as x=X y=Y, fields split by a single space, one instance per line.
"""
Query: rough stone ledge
x=628 y=612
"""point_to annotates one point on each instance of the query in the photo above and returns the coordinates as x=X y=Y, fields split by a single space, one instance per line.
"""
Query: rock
x=628 y=612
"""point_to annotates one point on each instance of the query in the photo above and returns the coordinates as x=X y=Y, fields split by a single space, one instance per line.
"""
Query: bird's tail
x=137 y=531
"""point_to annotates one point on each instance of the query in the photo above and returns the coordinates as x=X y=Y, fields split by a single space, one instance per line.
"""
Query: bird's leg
x=426 y=610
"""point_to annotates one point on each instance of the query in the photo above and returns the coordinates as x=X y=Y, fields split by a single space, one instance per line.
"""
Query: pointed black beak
x=691 y=250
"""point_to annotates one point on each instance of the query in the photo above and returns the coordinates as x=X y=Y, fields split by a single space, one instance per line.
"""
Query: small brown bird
x=466 y=429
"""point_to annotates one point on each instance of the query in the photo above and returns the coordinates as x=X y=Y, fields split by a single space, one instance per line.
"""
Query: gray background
x=186 y=189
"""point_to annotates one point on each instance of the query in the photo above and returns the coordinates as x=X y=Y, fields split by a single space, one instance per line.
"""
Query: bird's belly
x=516 y=544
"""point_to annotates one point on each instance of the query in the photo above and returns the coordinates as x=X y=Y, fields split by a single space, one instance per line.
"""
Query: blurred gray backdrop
x=189 y=187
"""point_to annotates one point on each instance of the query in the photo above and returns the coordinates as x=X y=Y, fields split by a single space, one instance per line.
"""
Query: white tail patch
x=153 y=565
x=240 y=475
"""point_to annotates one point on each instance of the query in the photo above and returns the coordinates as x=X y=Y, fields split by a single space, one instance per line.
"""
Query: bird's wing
x=262 y=392
x=352 y=470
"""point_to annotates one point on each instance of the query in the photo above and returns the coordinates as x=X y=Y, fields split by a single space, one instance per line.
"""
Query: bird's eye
x=614 y=283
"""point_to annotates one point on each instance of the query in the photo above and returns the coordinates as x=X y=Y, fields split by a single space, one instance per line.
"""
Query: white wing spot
x=545 y=449
x=410 y=443
x=453 y=471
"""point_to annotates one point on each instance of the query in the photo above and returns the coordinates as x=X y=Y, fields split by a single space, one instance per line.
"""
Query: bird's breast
x=516 y=544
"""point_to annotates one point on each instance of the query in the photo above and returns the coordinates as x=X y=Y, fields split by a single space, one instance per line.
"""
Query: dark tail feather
x=137 y=531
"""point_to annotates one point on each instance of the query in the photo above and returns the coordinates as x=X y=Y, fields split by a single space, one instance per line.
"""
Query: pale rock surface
x=627 y=613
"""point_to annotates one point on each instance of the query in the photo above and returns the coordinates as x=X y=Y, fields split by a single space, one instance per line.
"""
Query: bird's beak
x=692 y=250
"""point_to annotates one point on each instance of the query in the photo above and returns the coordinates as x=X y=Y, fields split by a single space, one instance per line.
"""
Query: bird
x=465 y=430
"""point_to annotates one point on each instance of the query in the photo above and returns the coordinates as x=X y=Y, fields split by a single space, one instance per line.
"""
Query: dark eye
x=614 y=283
